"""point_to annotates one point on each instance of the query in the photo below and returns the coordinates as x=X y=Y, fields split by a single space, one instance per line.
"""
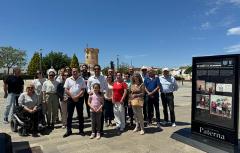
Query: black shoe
x=67 y=134
x=35 y=134
x=81 y=133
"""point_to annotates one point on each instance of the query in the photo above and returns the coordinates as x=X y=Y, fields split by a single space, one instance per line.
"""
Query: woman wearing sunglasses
x=50 y=97
x=29 y=101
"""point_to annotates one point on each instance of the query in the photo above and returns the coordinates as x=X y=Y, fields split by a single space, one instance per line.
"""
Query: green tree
x=123 y=68
x=74 y=62
x=56 y=59
x=10 y=57
x=188 y=70
x=34 y=64
x=105 y=70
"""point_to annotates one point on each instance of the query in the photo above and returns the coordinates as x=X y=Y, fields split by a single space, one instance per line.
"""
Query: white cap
x=51 y=70
x=165 y=69
x=144 y=68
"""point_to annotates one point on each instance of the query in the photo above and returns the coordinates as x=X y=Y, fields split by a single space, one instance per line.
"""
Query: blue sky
x=152 y=33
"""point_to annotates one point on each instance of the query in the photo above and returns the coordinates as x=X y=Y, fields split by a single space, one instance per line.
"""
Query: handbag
x=137 y=102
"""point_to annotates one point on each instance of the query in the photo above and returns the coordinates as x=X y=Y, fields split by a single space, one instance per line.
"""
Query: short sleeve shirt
x=50 y=86
x=74 y=86
x=15 y=84
x=28 y=101
x=151 y=84
x=118 y=90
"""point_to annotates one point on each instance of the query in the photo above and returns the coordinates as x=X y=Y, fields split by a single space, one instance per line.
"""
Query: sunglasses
x=97 y=69
x=30 y=87
x=51 y=75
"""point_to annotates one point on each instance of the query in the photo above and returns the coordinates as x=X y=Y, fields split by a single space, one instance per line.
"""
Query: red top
x=118 y=90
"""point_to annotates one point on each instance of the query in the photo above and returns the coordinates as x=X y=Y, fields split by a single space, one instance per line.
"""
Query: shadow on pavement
x=203 y=143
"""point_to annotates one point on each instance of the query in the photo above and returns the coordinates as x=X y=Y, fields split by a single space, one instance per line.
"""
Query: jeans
x=119 y=113
x=12 y=101
x=168 y=101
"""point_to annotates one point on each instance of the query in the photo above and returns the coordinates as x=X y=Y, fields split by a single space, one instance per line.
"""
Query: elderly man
x=168 y=86
x=13 y=87
x=152 y=85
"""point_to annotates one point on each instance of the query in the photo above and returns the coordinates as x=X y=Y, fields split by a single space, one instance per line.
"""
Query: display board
x=215 y=97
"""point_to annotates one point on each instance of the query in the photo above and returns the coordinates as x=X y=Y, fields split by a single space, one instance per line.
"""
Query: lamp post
x=117 y=62
x=40 y=52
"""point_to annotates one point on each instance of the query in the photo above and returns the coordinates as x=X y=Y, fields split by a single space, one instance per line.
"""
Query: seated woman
x=29 y=101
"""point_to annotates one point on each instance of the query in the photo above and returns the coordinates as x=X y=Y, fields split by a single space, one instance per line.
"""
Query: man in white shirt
x=74 y=88
x=98 y=78
x=168 y=86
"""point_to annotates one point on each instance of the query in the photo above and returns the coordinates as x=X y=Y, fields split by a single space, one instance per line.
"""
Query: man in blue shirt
x=152 y=85
x=168 y=86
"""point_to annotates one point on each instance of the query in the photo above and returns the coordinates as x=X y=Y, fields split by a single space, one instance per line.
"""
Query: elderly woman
x=50 y=97
x=29 y=101
x=136 y=100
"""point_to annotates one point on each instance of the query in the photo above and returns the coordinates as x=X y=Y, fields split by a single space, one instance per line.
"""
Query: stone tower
x=91 y=57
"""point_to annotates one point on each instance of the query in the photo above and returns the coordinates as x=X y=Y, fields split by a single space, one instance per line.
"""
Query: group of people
x=116 y=96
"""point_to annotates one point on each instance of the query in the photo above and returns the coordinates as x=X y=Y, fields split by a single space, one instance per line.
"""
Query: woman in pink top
x=95 y=103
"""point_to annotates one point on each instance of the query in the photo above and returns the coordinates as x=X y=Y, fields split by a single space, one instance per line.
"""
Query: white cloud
x=205 y=26
x=235 y=2
x=233 y=48
x=211 y=11
x=234 y=31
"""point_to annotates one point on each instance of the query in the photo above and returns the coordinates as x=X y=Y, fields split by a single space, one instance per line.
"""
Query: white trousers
x=119 y=114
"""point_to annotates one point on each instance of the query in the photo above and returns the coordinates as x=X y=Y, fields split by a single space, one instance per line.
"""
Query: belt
x=169 y=93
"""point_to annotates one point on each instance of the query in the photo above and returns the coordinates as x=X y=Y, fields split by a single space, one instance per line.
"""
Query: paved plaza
x=154 y=141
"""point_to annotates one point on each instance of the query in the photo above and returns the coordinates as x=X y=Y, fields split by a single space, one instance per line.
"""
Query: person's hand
x=5 y=95
x=35 y=109
x=90 y=93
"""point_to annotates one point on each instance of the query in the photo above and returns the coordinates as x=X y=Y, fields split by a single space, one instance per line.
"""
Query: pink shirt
x=96 y=100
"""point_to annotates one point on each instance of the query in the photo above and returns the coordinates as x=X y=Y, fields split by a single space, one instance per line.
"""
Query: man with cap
x=168 y=86
x=152 y=86
x=50 y=97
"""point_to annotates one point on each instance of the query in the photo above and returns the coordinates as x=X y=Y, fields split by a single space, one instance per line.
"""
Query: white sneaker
x=174 y=125
x=92 y=136
x=136 y=129
x=142 y=132
x=63 y=127
x=5 y=121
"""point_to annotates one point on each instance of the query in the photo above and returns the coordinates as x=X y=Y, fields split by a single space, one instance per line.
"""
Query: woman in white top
x=38 y=83
x=108 y=105
x=50 y=97
x=29 y=101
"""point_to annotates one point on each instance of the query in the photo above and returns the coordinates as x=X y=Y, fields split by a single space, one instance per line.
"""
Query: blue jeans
x=12 y=101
